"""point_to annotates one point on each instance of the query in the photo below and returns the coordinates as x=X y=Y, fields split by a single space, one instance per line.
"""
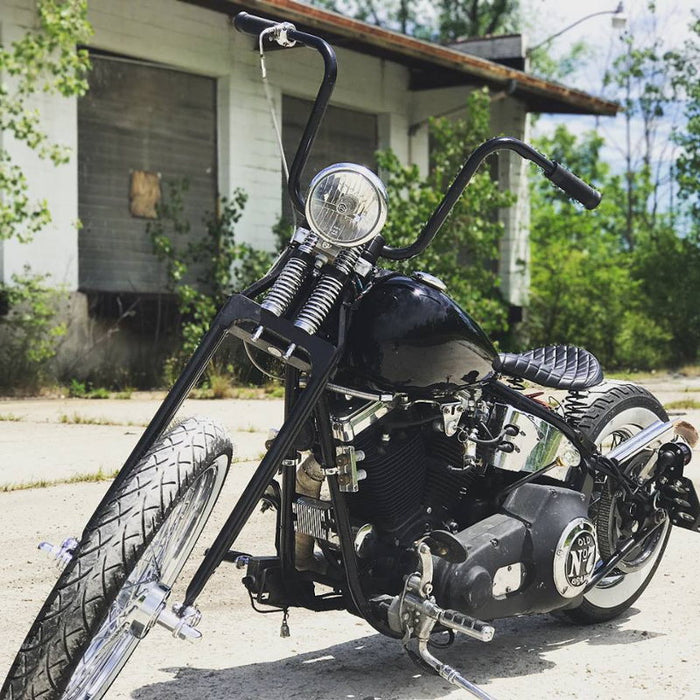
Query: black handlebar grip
x=252 y=24
x=574 y=186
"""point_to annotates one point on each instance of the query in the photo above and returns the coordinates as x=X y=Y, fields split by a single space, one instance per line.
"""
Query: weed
x=123 y=395
x=690 y=371
x=98 y=393
x=99 y=475
x=11 y=417
x=76 y=389
x=81 y=390
x=683 y=404
x=78 y=419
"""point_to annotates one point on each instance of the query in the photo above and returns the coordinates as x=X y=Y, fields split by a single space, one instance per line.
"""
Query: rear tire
x=85 y=631
x=614 y=416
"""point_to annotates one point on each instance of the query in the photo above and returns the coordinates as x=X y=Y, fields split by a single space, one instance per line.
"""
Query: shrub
x=29 y=331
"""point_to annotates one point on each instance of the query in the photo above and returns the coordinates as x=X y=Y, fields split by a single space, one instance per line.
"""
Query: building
x=175 y=92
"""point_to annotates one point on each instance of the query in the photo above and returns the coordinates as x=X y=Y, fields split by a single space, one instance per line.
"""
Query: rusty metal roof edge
x=292 y=10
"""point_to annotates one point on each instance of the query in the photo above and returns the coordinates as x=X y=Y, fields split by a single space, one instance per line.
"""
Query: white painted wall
x=201 y=41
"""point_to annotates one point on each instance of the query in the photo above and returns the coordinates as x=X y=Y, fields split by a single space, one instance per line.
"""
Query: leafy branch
x=43 y=61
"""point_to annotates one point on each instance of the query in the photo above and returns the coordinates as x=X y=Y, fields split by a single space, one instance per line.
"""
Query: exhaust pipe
x=652 y=438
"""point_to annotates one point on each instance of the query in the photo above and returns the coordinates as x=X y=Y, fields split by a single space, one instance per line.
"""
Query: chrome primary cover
x=575 y=557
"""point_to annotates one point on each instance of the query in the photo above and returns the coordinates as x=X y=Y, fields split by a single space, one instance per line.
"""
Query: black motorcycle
x=455 y=496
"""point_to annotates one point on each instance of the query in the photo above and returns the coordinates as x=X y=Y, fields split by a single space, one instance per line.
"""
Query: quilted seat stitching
x=556 y=366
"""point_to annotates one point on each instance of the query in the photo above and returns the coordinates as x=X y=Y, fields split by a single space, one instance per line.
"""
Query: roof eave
x=538 y=94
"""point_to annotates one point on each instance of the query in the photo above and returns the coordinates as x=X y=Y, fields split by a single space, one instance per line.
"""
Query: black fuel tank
x=406 y=335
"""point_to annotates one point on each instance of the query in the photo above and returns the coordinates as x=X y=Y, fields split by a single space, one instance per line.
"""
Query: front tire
x=621 y=411
x=139 y=542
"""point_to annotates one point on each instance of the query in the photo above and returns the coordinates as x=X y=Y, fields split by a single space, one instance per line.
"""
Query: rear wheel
x=621 y=411
x=122 y=571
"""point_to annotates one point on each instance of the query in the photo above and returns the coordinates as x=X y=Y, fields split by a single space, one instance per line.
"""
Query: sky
x=546 y=17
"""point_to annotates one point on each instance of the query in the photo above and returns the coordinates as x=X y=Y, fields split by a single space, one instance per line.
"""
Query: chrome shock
x=289 y=280
x=326 y=292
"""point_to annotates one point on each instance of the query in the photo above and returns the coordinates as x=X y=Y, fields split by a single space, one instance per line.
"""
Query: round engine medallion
x=575 y=557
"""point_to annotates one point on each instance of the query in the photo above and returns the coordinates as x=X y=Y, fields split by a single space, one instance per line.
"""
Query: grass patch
x=99 y=475
x=122 y=395
x=633 y=375
x=220 y=387
x=689 y=371
x=78 y=419
x=684 y=404
x=12 y=417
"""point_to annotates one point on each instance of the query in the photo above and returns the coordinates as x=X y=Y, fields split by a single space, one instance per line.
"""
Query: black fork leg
x=264 y=474
x=177 y=394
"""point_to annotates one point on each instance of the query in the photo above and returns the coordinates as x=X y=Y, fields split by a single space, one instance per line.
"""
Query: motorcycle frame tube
x=342 y=516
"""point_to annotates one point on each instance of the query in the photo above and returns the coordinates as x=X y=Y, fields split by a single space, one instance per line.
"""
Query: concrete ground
x=651 y=652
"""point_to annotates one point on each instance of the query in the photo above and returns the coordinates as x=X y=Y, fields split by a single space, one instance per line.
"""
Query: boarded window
x=345 y=136
x=139 y=127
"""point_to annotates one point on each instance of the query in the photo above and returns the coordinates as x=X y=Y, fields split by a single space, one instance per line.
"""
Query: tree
x=459 y=19
x=44 y=60
x=640 y=76
x=584 y=290
x=465 y=249
x=688 y=162
x=447 y=22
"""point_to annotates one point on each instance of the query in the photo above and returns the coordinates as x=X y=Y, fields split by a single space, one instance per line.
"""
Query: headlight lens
x=346 y=205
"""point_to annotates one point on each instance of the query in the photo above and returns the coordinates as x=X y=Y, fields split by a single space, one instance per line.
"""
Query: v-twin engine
x=535 y=555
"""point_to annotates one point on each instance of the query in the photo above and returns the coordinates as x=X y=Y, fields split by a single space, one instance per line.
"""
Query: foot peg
x=62 y=553
x=182 y=622
x=452 y=619
x=415 y=614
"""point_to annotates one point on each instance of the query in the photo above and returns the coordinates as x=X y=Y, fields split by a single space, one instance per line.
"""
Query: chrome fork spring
x=287 y=284
x=325 y=293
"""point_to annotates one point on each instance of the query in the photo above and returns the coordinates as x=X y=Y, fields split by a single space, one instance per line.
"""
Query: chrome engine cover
x=575 y=557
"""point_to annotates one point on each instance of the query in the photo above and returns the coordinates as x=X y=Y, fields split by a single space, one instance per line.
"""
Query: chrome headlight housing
x=346 y=205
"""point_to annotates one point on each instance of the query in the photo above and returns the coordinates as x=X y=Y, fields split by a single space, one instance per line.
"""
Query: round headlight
x=346 y=205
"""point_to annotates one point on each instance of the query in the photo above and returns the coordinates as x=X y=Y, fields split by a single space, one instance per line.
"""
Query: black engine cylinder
x=535 y=555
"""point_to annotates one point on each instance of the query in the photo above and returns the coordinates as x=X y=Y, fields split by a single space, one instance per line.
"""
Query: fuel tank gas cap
x=429 y=279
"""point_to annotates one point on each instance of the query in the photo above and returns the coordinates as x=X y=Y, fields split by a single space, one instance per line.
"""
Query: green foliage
x=202 y=271
x=445 y=21
x=668 y=269
x=585 y=287
x=545 y=65
x=44 y=60
x=29 y=330
x=465 y=250
x=459 y=19
x=82 y=390
x=687 y=80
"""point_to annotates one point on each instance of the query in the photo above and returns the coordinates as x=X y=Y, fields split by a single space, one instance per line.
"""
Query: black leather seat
x=556 y=366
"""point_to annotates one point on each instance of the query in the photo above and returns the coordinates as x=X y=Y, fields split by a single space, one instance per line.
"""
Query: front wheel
x=618 y=413
x=123 y=569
